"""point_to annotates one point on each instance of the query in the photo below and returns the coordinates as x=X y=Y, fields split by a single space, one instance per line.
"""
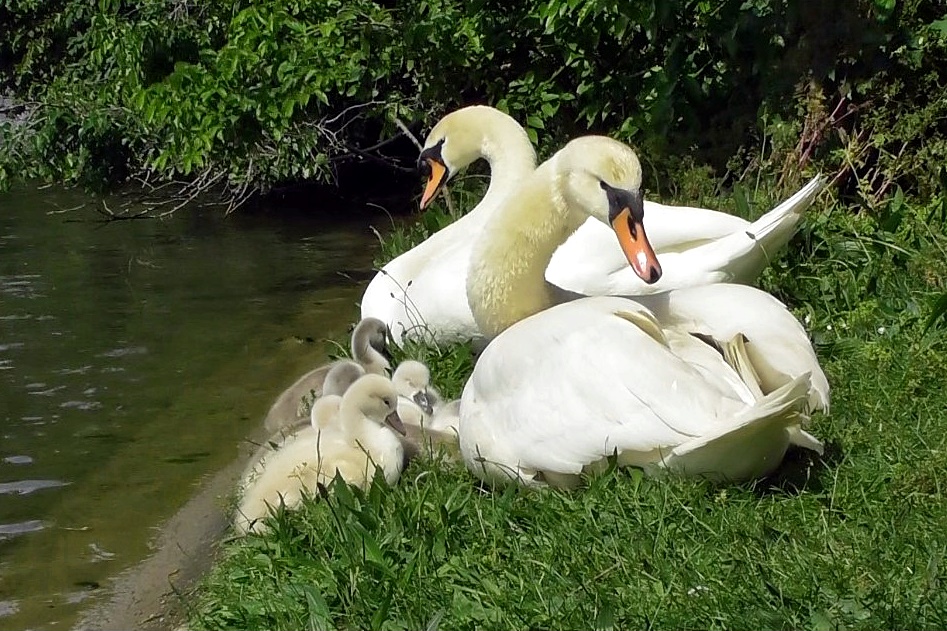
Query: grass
x=855 y=539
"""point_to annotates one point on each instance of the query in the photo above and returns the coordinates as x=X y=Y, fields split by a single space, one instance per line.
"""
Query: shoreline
x=150 y=596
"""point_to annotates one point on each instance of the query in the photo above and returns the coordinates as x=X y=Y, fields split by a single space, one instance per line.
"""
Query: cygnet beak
x=395 y=422
x=424 y=400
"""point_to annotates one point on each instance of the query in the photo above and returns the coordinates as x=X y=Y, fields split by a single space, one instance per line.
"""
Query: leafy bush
x=255 y=94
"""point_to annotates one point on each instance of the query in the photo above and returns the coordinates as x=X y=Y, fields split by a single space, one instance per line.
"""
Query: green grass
x=855 y=539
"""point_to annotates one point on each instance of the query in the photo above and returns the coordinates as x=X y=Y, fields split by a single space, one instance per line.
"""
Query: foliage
x=256 y=94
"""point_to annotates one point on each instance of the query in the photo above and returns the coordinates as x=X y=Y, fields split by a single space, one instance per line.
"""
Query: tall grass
x=855 y=539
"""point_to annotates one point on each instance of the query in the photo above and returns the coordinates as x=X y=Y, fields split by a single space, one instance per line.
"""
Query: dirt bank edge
x=148 y=596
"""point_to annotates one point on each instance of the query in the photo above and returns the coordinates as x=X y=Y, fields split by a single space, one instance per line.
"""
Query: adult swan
x=421 y=292
x=561 y=388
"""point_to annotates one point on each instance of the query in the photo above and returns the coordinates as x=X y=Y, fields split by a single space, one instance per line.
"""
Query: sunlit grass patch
x=855 y=539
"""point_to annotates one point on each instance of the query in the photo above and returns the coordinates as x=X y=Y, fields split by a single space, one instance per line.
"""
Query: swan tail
x=771 y=232
x=645 y=321
x=755 y=443
x=735 y=354
x=801 y=438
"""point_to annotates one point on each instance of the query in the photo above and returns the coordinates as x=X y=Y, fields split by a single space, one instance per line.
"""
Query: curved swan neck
x=506 y=282
x=355 y=426
x=481 y=132
x=511 y=157
x=369 y=357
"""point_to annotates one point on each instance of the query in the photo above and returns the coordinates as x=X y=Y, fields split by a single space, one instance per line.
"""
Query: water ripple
x=20 y=286
x=124 y=351
x=18 y=460
x=8 y=607
x=81 y=405
x=25 y=487
x=8 y=531
x=44 y=393
x=74 y=371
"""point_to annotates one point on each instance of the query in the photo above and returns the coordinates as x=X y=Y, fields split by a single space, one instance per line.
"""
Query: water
x=134 y=357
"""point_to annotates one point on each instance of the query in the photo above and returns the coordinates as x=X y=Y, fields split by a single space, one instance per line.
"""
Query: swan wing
x=776 y=342
x=573 y=384
x=695 y=246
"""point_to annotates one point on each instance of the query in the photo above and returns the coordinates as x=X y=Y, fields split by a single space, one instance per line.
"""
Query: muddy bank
x=153 y=595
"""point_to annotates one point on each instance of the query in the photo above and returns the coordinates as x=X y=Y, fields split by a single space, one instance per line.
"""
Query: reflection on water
x=134 y=357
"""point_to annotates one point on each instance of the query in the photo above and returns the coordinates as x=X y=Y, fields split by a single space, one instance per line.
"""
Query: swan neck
x=506 y=281
x=511 y=158
x=373 y=361
x=355 y=426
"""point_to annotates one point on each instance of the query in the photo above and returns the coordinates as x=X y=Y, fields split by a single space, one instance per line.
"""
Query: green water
x=134 y=358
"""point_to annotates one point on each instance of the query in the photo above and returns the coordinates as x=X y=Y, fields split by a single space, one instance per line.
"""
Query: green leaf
x=940 y=26
x=318 y=610
x=535 y=121
x=938 y=312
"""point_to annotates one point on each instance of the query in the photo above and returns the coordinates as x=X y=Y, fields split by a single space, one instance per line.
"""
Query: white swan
x=561 y=388
x=360 y=441
x=695 y=245
x=420 y=294
x=367 y=346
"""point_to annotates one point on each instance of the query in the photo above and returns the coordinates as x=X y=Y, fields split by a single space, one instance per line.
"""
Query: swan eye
x=424 y=168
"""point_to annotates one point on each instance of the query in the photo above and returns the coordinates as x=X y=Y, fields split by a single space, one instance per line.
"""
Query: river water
x=135 y=356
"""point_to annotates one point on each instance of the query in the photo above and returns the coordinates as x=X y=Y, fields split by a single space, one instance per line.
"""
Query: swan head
x=371 y=334
x=342 y=375
x=602 y=178
x=461 y=138
x=411 y=379
x=376 y=399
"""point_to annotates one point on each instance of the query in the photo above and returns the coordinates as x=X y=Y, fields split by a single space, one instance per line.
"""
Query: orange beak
x=634 y=243
x=434 y=182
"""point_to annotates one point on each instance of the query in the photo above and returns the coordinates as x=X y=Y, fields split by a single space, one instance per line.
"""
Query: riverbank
x=152 y=596
x=825 y=543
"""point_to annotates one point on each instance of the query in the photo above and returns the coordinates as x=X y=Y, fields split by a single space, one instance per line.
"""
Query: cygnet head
x=601 y=177
x=411 y=379
x=374 y=397
x=341 y=375
x=369 y=344
x=462 y=137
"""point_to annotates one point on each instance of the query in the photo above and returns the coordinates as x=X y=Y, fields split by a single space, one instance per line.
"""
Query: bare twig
x=407 y=132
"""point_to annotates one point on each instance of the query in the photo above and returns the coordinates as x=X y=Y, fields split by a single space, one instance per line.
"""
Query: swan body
x=561 y=388
x=424 y=433
x=421 y=293
x=368 y=342
x=324 y=415
x=357 y=444
x=524 y=422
